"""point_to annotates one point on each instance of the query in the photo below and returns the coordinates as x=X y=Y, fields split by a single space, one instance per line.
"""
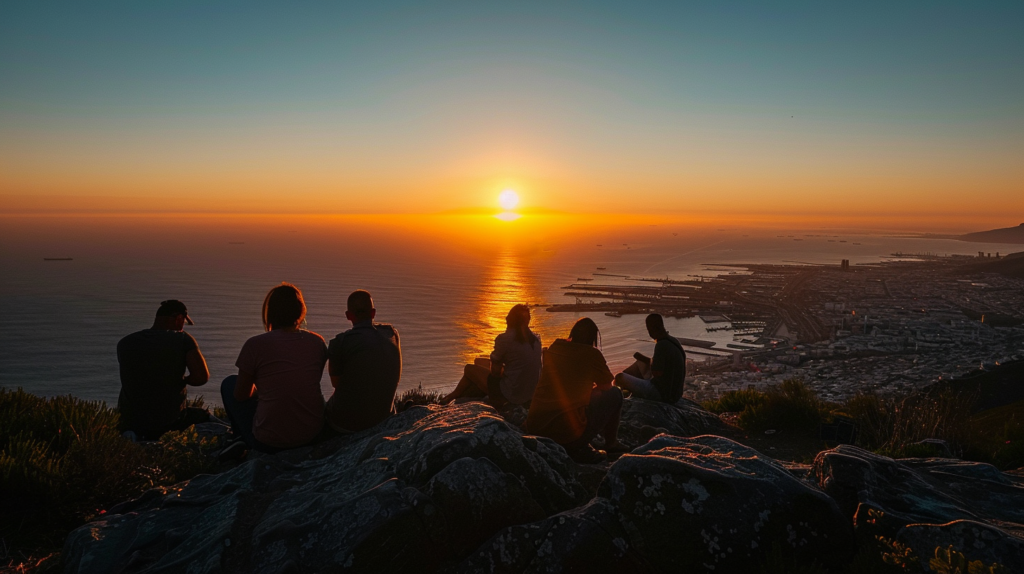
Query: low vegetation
x=63 y=461
x=888 y=425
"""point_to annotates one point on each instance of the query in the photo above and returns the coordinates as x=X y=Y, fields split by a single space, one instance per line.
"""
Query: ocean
x=445 y=281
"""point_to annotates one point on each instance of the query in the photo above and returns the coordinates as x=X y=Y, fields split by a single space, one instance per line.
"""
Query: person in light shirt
x=275 y=402
x=511 y=373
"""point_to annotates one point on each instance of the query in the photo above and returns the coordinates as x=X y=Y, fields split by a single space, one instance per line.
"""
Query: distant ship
x=601 y=268
x=613 y=314
x=57 y=259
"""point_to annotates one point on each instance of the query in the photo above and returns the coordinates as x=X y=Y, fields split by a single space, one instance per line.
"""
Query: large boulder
x=419 y=490
x=684 y=418
x=929 y=503
x=703 y=504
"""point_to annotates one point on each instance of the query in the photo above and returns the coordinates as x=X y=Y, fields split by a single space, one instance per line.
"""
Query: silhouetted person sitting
x=275 y=402
x=365 y=366
x=660 y=378
x=153 y=364
x=512 y=372
x=575 y=400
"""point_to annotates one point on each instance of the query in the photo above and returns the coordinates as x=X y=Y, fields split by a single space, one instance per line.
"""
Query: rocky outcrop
x=460 y=489
x=424 y=487
x=684 y=418
x=929 y=503
x=704 y=504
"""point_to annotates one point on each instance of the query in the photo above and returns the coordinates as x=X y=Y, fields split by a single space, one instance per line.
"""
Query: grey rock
x=703 y=504
x=414 y=492
x=929 y=502
x=684 y=418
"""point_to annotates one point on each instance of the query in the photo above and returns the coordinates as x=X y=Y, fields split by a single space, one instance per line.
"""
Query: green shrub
x=789 y=406
x=735 y=401
x=892 y=425
x=63 y=460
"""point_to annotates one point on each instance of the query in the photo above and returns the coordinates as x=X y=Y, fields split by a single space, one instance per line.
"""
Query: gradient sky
x=805 y=108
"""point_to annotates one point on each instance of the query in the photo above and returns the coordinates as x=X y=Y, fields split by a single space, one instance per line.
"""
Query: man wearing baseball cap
x=153 y=363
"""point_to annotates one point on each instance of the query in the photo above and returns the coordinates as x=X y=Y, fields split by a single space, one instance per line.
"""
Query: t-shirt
x=287 y=367
x=522 y=366
x=367 y=359
x=559 y=407
x=670 y=360
x=152 y=365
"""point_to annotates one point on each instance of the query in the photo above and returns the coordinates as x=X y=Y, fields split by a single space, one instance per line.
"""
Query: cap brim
x=189 y=320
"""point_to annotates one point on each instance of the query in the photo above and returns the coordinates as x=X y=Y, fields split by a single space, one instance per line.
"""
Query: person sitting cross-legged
x=365 y=367
x=575 y=400
x=660 y=378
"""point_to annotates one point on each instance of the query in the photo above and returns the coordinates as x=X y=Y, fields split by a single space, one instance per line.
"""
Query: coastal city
x=889 y=327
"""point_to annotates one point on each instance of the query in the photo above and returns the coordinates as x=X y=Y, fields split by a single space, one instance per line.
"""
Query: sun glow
x=508 y=199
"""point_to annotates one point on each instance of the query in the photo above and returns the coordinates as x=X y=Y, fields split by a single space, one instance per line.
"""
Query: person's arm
x=335 y=361
x=498 y=357
x=198 y=372
x=603 y=376
x=245 y=386
x=658 y=363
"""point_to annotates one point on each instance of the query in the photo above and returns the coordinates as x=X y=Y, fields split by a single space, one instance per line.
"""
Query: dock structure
x=753 y=300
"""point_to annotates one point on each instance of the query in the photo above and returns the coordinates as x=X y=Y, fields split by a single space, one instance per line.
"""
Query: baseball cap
x=173 y=307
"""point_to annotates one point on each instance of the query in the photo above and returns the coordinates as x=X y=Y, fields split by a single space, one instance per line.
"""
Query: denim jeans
x=641 y=388
x=242 y=414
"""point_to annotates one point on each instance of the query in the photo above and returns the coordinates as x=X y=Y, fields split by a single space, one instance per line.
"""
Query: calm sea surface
x=445 y=282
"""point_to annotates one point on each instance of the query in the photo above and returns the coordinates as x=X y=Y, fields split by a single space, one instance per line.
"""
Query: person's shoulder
x=338 y=339
x=312 y=335
x=259 y=339
x=129 y=338
x=385 y=328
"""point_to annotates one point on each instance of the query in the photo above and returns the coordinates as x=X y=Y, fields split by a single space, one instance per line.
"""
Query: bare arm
x=245 y=386
x=198 y=372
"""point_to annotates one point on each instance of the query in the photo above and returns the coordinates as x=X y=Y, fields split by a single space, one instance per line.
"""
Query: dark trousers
x=242 y=414
x=602 y=414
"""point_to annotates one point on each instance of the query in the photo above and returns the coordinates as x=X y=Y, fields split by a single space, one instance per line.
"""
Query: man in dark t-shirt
x=365 y=364
x=660 y=378
x=153 y=364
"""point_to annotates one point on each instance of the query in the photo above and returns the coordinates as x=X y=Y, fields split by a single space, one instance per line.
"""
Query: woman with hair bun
x=575 y=400
x=511 y=373
x=275 y=401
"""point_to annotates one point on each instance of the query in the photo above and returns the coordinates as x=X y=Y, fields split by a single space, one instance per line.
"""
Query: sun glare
x=508 y=199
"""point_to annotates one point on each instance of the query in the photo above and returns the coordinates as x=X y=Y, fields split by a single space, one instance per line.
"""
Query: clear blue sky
x=437 y=105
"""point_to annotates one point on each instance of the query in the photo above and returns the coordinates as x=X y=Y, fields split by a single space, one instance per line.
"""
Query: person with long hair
x=275 y=402
x=511 y=373
x=575 y=400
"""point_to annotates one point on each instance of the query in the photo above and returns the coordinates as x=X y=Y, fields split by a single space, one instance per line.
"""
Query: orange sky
x=776 y=115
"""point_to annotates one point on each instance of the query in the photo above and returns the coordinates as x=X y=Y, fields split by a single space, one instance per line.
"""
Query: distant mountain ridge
x=1004 y=235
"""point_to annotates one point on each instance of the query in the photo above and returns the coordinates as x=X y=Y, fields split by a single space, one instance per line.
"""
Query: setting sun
x=508 y=199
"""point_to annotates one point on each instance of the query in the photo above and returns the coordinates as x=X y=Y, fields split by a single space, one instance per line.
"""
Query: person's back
x=286 y=367
x=669 y=366
x=365 y=365
x=152 y=365
x=567 y=378
x=522 y=363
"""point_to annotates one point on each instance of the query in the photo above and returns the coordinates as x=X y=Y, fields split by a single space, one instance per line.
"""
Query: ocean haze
x=445 y=281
